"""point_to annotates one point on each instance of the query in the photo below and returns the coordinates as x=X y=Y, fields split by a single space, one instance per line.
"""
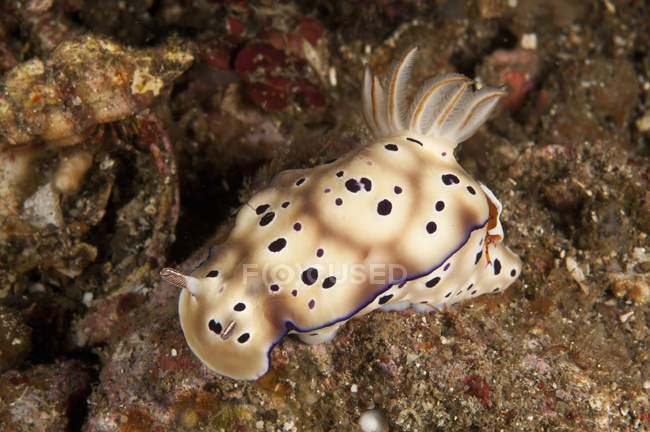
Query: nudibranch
x=395 y=224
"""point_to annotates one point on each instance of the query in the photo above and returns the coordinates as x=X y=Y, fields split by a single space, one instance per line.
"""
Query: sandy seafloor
x=89 y=335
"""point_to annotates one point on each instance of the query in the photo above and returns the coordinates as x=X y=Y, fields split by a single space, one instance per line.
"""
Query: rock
x=45 y=398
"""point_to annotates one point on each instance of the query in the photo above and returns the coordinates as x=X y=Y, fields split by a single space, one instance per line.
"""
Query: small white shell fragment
x=71 y=171
x=640 y=254
x=87 y=298
x=611 y=8
x=574 y=269
x=396 y=223
x=43 y=207
x=411 y=357
x=643 y=123
x=529 y=41
x=332 y=76
x=36 y=288
x=626 y=316
x=372 y=421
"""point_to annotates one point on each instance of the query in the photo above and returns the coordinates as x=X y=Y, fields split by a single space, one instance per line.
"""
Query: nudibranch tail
x=445 y=107
x=179 y=280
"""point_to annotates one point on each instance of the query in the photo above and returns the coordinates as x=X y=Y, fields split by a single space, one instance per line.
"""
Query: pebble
x=372 y=421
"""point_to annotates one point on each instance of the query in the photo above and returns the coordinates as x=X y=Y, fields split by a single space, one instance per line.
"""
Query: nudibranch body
x=395 y=224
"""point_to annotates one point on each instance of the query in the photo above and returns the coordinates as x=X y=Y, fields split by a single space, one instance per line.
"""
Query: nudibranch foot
x=325 y=334
x=396 y=223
